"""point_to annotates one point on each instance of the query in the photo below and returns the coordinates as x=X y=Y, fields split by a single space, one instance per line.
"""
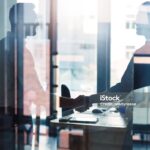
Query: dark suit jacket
x=137 y=74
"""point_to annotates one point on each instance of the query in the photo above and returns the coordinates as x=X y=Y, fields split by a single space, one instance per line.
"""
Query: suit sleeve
x=126 y=84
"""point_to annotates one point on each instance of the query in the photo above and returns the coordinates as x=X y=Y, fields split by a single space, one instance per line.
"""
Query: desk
x=111 y=132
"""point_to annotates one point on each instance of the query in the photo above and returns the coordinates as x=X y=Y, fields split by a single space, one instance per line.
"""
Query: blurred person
x=19 y=80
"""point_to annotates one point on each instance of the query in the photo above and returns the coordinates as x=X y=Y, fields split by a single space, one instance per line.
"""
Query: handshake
x=81 y=103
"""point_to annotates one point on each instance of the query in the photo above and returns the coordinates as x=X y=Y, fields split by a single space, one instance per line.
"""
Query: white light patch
x=142 y=18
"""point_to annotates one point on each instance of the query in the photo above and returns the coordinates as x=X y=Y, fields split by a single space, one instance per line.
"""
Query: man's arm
x=121 y=89
x=81 y=100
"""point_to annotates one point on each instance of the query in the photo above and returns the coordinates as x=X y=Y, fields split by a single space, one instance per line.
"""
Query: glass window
x=77 y=45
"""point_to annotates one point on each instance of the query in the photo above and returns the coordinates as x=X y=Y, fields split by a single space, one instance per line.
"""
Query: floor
x=51 y=144
x=43 y=142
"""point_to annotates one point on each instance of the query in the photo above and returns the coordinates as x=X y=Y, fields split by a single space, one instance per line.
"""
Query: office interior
x=71 y=48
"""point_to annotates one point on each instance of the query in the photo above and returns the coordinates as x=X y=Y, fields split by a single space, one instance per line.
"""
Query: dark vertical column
x=53 y=55
x=7 y=135
x=53 y=62
x=103 y=46
x=20 y=65
x=103 y=57
x=4 y=46
x=20 y=81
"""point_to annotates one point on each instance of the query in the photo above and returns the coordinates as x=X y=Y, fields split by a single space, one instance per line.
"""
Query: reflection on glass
x=36 y=59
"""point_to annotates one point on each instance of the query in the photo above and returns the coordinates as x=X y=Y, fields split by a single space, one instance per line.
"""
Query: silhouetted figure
x=19 y=81
x=137 y=74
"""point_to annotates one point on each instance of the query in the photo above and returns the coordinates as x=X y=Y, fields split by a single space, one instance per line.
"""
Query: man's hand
x=81 y=103
x=84 y=101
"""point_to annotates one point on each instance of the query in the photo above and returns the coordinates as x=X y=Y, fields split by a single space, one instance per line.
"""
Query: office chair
x=65 y=92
